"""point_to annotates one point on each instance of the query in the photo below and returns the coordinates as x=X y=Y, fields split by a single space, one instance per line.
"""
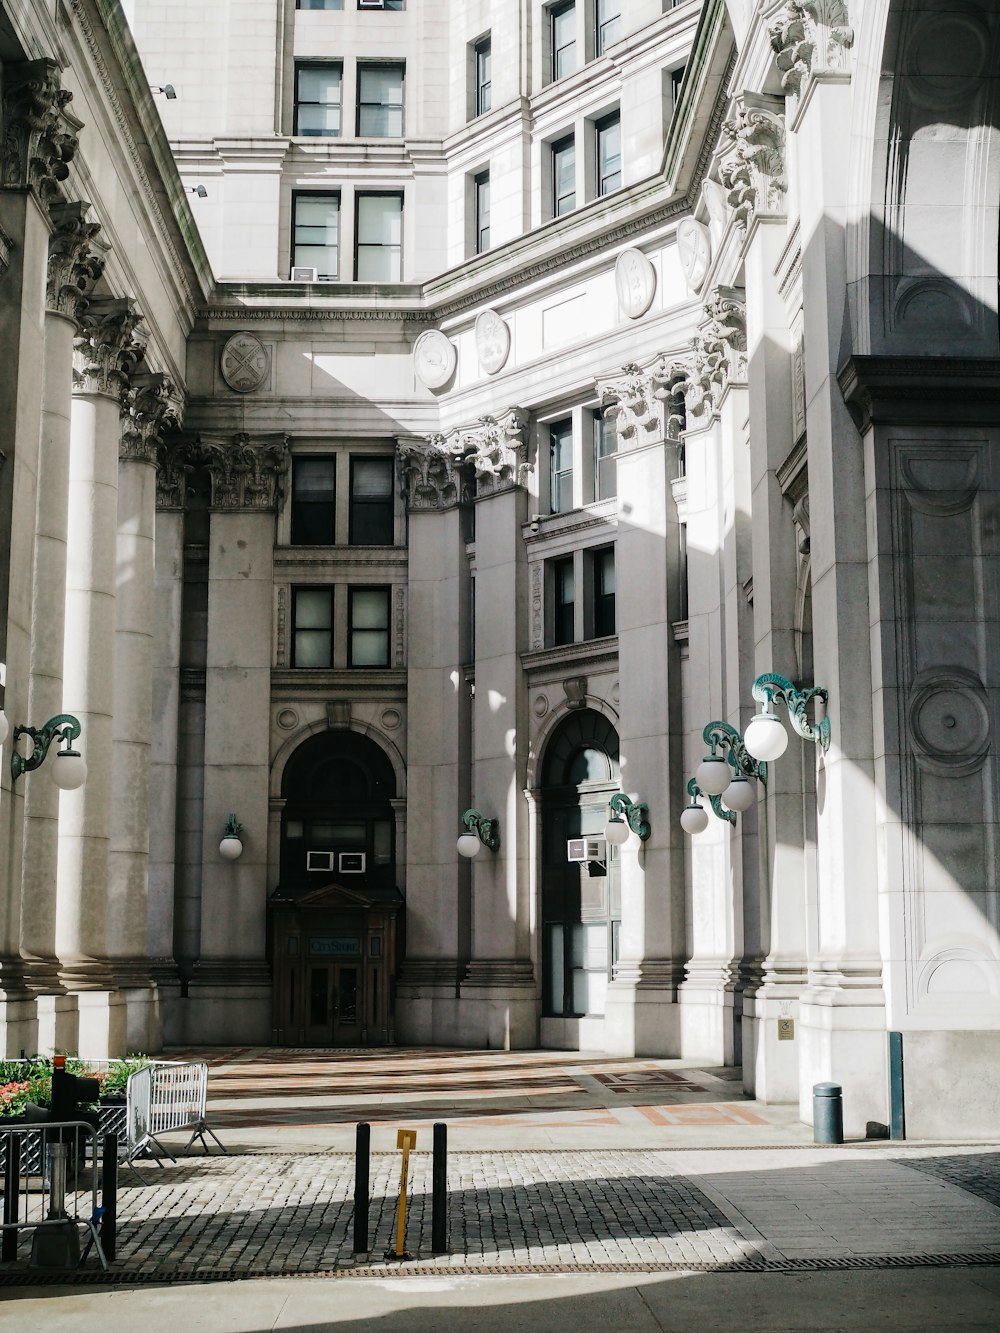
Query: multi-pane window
x=563 y=601
x=312 y=627
x=603 y=573
x=562 y=30
x=607 y=24
x=319 y=4
x=483 y=58
x=563 y=176
x=318 y=99
x=379 y=233
x=369 y=627
x=561 y=466
x=380 y=101
x=371 y=502
x=605 y=465
x=314 y=501
x=315 y=233
x=481 y=190
x=608 y=135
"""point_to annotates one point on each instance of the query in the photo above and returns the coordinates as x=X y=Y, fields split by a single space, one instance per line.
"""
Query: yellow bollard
x=405 y=1139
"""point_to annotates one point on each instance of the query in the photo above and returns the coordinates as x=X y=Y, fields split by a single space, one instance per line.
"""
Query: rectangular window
x=608 y=134
x=605 y=464
x=562 y=20
x=604 y=592
x=561 y=466
x=315 y=234
x=379 y=233
x=563 y=601
x=380 y=101
x=317 y=99
x=563 y=176
x=481 y=189
x=369 y=627
x=314 y=494
x=484 y=76
x=319 y=4
x=676 y=83
x=371 y=502
x=382 y=4
x=312 y=627
x=607 y=24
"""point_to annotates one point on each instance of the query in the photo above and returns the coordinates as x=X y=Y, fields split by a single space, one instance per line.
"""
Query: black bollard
x=828 y=1113
x=109 y=1196
x=362 y=1148
x=11 y=1181
x=439 y=1191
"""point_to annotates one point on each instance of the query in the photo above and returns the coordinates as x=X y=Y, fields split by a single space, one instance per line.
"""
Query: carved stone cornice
x=73 y=266
x=431 y=471
x=38 y=141
x=753 y=175
x=245 y=473
x=809 y=38
x=108 y=347
x=497 y=447
x=147 y=411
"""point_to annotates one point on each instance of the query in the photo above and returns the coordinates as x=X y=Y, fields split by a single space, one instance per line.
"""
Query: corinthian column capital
x=38 y=132
x=73 y=266
x=245 y=473
x=108 y=347
x=148 y=409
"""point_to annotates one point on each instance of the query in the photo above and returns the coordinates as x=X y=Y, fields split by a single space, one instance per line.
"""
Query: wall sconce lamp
x=616 y=830
x=765 y=737
x=694 y=817
x=479 y=832
x=199 y=190
x=231 y=846
x=70 y=771
x=167 y=89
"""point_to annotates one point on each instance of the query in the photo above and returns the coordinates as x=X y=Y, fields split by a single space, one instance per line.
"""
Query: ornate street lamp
x=616 y=830
x=479 y=832
x=70 y=771
x=727 y=779
x=231 y=846
x=765 y=737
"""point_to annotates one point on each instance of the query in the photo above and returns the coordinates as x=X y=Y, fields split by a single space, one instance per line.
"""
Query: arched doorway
x=334 y=913
x=581 y=901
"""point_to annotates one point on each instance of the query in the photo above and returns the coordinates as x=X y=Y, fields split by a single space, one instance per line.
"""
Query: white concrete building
x=565 y=369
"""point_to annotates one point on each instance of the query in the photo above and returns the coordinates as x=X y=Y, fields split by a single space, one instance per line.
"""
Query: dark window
x=562 y=19
x=379 y=233
x=381 y=4
x=369 y=627
x=609 y=153
x=563 y=601
x=561 y=466
x=607 y=23
x=312 y=627
x=371 y=502
x=319 y=4
x=481 y=185
x=563 y=176
x=314 y=494
x=605 y=464
x=315 y=233
x=317 y=99
x=380 y=101
x=484 y=76
x=676 y=82
x=604 y=592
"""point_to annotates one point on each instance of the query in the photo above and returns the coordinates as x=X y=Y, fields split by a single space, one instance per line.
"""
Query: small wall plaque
x=786 y=1029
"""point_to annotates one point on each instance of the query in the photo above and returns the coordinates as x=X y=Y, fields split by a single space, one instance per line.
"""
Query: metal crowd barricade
x=36 y=1191
x=163 y=1098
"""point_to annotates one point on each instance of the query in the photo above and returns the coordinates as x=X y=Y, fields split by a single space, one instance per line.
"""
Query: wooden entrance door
x=333 y=999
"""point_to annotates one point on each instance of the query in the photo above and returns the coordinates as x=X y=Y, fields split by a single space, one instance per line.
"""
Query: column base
x=427 y=1009
x=707 y=1000
x=18 y=1024
x=770 y=1056
x=103 y=1024
x=843 y=1041
x=642 y=1016
x=499 y=1007
x=228 y=1003
x=57 y=1024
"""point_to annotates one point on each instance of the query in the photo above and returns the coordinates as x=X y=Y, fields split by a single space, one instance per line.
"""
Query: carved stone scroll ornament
x=148 y=411
x=810 y=37
x=671 y=378
x=245 y=473
x=630 y=399
x=173 y=464
x=73 y=266
x=38 y=138
x=109 y=345
x=497 y=448
x=754 y=174
x=431 y=472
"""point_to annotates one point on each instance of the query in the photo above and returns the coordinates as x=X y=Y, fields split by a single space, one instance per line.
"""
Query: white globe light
x=469 y=845
x=739 y=795
x=230 y=849
x=70 y=770
x=765 y=738
x=713 y=775
x=4 y=727
x=694 y=818
x=616 y=832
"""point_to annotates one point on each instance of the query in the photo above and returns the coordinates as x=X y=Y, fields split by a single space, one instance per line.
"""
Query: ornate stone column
x=231 y=981
x=438 y=720
x=38 y=143
x=499 y=994
x=72 y=268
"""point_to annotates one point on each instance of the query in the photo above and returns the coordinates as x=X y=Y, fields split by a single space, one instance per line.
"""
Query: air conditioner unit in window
x=305 y=275
x=586 y=849
x=370 y=4
x=351 y=863
x=319 y=860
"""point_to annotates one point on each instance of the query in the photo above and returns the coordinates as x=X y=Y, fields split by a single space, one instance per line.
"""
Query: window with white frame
x=318 y=100
x=315 y=233
x=561 y=466
x=482 y=57
x=563 y=153
x=562 y=39
x=605 y=463
x=608 y=146
x=379 y=238
x=380 y=101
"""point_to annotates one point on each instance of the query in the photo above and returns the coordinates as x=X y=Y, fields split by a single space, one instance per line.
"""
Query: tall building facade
x=514 y=398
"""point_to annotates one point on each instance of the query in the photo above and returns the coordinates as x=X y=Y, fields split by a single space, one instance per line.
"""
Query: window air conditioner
x=370 y=4
x=319 y=860
x=305 y=275
x=351 y=863
x=586 y=849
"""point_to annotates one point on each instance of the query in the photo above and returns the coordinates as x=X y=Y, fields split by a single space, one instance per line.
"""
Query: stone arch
x=552 y=723
x=292 y=744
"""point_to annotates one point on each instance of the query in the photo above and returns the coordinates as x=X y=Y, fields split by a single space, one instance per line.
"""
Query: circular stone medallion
x=434 y=358
x=695 y=250
x=244 y=363
x=635 y=282
x=492 y=341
